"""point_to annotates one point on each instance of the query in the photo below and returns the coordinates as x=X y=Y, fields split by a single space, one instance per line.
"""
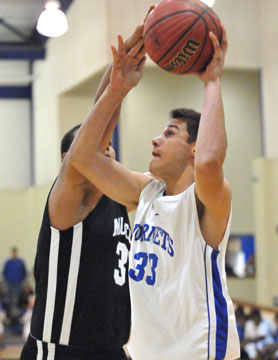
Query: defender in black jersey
x=82 y=306
x=82 y=295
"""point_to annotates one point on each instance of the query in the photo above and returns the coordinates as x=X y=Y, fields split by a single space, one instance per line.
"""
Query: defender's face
x=110 y=152
x=171 y=152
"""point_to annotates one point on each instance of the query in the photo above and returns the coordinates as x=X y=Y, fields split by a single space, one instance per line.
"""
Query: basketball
x=176 y=35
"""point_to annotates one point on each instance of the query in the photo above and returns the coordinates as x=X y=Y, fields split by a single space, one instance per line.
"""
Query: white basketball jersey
x=181 y=309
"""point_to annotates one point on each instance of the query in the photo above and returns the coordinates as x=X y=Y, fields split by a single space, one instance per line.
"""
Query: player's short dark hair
x=68 y=139
x=192 y=120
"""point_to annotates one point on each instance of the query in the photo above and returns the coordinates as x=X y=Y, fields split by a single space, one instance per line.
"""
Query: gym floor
x=11 y=347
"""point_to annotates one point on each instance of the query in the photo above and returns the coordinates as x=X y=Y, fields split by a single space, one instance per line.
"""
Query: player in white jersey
x=180 y=306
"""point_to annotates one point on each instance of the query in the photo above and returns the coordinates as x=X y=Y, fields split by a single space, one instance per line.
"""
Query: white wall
x=265 y=190
x=15 y=142
x=20 y=218
x=269 y=55
x=72 y=111
x=15 y=121
x=242 y=21
x=14 y=72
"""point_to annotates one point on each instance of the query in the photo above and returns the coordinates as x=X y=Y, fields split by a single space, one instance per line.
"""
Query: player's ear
x=63 y=155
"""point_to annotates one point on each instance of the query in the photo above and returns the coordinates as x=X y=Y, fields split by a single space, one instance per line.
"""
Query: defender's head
x=69 y=137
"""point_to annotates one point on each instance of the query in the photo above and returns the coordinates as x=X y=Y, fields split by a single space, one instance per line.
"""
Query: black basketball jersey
x=82 y=294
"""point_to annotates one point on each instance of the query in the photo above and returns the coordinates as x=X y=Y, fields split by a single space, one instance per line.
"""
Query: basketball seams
x=200 y=16
x=167 y=17
x=176 y=37
x=214 y=23
x=209 y=14
x=200 y=54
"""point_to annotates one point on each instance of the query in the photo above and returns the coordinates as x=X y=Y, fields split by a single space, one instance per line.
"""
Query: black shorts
x=39 y=350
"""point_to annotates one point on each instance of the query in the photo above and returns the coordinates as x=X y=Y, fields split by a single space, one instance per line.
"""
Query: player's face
x=171 y=151
x=110 y=152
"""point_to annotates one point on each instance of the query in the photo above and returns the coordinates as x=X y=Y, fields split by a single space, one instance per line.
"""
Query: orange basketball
x=176 y=35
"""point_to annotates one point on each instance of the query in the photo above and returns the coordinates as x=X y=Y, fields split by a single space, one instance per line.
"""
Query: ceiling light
x=52 y=21
x=209 y=3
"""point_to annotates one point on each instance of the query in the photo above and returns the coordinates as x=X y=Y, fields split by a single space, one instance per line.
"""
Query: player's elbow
x=75 y=161
x=80 y=159
x=209 y=164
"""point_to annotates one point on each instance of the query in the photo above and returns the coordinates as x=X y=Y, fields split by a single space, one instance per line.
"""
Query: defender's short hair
x=68 y=139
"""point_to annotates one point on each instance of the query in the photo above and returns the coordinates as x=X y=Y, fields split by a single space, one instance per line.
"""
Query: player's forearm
x=115 y=116
x=110 y=129
x=103 y=83
x=211 y=141
x=90 y=136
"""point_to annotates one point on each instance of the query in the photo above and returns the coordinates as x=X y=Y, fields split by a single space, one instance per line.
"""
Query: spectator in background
x=27 y=316
x=14 y=272
x=240 y=324
x=3 y=306
x=240 y=321
x=270 y=351
x=250 y=266
x=275 y=328
x=24 y=298
x=257 y=334
x=2 y=328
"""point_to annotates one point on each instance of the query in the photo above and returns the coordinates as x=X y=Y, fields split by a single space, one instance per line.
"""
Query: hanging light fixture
x=209 y=3
x=52 y=21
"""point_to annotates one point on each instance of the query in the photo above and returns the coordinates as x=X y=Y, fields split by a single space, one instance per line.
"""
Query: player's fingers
x=132 y=40
x=224 y=40
x=121 y=50
x=142 y=52
x=214 y=40
x=150 y=9
x=138 y=32
x=134 y=52
x=215 y=43
x=141 y=64
x=114 y=52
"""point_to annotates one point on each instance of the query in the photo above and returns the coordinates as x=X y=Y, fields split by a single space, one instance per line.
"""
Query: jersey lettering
x=156 y=235
x=122 y=228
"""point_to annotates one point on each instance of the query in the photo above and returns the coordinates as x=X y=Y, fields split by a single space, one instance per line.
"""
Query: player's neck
x=179 y=184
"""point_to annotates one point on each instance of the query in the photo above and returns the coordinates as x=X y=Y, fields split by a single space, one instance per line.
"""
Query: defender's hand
x=128 y=67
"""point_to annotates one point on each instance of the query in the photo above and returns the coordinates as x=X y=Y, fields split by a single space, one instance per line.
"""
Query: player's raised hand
x=134 y=38
x=215 y=67
x=127 y=68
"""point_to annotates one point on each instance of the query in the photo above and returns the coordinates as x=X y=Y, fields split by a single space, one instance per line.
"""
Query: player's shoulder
x=71 y=201
x=227 y=186
x=153 y=189
x=142 y=179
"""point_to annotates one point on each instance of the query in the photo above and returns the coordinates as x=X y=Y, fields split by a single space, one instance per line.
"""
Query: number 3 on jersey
x=139 y=272
x=119 y=274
